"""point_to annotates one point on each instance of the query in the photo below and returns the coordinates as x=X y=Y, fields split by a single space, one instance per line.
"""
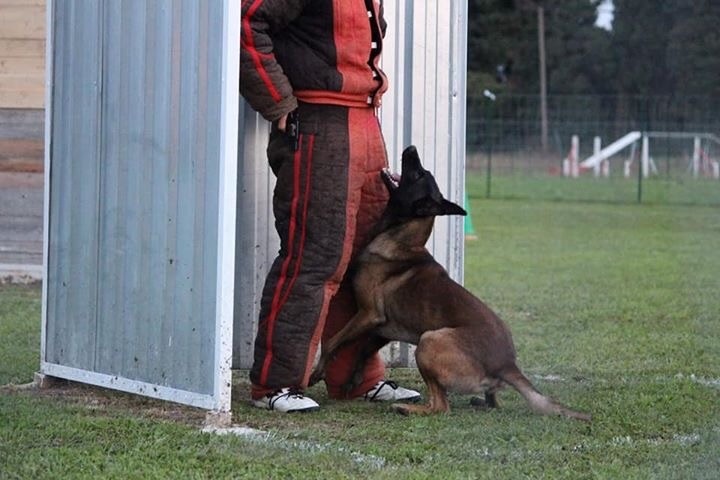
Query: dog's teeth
x=392 y=177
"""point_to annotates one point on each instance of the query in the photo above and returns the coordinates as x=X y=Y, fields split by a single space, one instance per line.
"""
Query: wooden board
x=22 y=21
x=28 y=66
x=22 y=53
x=15 y=47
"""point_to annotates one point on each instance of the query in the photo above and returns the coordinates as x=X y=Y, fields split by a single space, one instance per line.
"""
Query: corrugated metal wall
x=425 y=58
x=136 y=179
x=135 y=209
x=257 y=241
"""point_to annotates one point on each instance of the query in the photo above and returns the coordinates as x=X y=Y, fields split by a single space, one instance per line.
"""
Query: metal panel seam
x=98 y=176
x=408 y=70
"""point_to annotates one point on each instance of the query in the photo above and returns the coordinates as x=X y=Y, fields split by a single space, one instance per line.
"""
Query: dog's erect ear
x=450 y=208
x=428 y=207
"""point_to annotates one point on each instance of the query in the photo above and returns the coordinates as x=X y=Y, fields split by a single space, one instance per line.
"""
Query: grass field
x=678 y=190
x=615 y=310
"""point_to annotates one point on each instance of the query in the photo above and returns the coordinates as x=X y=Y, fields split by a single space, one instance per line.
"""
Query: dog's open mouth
x=391 y=179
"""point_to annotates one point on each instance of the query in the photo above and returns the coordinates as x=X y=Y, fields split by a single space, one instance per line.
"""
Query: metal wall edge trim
x=49 y=45
x=208 y=402
x=227 y=198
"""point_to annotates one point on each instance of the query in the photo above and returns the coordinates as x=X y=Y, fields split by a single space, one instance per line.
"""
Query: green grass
x=19 y=333
x=615 y=310
x=681 y=190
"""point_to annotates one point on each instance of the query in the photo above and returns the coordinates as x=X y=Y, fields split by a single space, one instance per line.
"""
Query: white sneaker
x=387 y=391
x=287 y=400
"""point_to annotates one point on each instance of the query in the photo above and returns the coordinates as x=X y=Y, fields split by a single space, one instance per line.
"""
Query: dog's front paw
x=401 y=408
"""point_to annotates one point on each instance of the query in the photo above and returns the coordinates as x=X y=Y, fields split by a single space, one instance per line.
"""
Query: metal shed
x=158 y=221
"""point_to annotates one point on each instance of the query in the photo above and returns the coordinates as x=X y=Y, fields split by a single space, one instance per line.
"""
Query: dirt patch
x=21 y=274
x=110 y=402
x=113 y=403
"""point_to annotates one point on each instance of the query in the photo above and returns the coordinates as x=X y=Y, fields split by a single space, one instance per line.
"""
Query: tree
x=497 y=32
x=693 y=49
x=640 y=40
x=579 y=57
x=655 y=48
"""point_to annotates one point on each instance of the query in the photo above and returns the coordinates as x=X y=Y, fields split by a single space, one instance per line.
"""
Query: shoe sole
x=295 y=410
x=304 y=410
x=406 y=400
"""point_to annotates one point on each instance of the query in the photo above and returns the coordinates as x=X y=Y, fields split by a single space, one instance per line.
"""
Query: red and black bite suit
x=318 y=59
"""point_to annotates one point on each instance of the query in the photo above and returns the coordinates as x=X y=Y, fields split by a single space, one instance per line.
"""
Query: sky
x=605 y=14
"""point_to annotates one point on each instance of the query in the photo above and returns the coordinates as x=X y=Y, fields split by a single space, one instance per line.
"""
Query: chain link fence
x=673 y=157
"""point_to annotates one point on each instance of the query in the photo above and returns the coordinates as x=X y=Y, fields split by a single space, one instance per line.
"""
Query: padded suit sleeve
x=262 y=81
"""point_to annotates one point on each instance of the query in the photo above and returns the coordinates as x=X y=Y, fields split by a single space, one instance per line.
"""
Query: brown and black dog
x=404 y=294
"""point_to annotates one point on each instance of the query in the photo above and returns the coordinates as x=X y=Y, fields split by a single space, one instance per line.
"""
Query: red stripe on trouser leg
x=316 y=271
x=369 y=157
x=353 y=200
x=278 y=300
x=306 y=201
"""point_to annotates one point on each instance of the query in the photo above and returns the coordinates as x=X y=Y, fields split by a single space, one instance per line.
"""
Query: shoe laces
x=390 y=384
x=377 y=388
x=294 y=392
x=279 y=394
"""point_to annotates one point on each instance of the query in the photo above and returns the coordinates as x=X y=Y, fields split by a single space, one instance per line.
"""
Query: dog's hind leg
x=437 y=401
x=435 y=356
x=490 y=400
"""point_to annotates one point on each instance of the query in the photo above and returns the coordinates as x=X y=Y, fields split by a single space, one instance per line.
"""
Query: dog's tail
x=538 y=402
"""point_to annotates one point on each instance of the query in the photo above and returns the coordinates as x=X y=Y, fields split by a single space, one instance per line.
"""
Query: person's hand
x=282 y=123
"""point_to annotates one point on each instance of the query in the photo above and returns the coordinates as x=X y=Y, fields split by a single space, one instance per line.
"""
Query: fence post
x=645 y=155
x=697 y=148
x=602 y=168
x=488 y=132
x=488 y=173
x=571 y=166
x=641 y=165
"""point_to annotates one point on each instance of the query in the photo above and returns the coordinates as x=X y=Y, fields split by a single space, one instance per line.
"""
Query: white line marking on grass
x=686 y=440
x=708 y=382
x=683 y=440
x=261 y=436
x=548 y=378
x=237 y=431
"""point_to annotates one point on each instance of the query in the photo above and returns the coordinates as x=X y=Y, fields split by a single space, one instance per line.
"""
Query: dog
x=404 y=294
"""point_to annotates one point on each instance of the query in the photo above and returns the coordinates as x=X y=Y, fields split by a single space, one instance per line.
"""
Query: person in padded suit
x=311 y=68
